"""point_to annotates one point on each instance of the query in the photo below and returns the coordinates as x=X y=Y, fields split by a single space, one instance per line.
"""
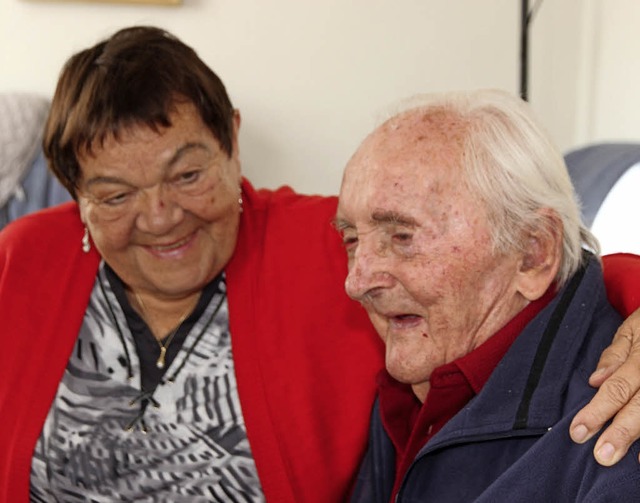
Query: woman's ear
x=235 y=153
x=541 y=257
x=82 y=208
x=237 y=119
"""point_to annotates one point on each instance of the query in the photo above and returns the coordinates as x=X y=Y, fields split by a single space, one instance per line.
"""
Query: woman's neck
x=162 y=315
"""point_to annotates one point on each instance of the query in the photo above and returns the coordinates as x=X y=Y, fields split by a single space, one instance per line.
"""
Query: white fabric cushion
x=615 y=223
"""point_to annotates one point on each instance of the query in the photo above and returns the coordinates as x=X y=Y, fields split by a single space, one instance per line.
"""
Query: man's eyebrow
x=340 y=223
x=379 y=217
x=393 y=217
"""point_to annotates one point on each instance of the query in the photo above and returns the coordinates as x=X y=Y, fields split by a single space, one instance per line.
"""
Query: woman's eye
x=116 y=199
x=189 y=177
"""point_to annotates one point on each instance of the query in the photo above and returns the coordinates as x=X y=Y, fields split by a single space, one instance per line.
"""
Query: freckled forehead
x=410 y=144
x=420 y=133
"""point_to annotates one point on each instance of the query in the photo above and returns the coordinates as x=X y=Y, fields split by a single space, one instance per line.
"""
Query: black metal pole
x=524 y=50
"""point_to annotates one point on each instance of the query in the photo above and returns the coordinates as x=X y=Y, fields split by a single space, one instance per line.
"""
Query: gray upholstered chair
x=26 y=184
x=607 y=180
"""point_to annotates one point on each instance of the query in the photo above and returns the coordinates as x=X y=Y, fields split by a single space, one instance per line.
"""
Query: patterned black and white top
x=105 y=440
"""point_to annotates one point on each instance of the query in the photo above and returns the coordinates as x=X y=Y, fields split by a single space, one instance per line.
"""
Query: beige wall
x=614 y=73
x=309 y=75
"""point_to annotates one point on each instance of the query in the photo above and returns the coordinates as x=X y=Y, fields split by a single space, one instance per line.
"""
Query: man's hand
x=618 y=377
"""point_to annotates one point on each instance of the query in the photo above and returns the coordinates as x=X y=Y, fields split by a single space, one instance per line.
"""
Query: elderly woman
x=174 y=334
x=120 y=376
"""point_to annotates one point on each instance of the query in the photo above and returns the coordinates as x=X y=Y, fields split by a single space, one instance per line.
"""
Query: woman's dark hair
x=134 y=77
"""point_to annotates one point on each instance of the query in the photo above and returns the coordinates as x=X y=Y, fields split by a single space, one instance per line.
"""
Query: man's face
x=419 y=247
x=162 y=206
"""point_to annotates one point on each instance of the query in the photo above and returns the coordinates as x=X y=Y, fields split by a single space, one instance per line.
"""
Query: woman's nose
x=159 y=213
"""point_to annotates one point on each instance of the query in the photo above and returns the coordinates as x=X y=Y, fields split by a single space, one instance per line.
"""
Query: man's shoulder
x=559 y=462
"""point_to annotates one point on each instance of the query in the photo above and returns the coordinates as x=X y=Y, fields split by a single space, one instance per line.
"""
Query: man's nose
x=158 y=212
x=369 y=272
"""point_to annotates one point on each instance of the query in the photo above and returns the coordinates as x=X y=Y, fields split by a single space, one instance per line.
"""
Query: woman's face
x=162 y=206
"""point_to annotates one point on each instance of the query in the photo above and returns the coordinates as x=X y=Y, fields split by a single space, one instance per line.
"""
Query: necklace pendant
x=160 y=361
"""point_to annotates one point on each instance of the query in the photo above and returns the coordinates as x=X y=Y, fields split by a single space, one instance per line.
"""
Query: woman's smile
x=174 y=250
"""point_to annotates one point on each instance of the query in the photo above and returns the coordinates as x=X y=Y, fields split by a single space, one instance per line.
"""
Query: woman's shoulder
x=285 y=200
x=622 y=278
x=54 y=223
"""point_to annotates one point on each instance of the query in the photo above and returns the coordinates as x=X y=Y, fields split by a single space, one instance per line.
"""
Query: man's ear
x=541 y=257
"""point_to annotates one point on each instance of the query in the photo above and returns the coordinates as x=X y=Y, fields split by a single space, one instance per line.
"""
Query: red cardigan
x=305 y=355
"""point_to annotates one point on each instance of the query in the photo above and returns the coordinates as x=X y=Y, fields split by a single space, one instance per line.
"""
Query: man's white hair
x=514 y=167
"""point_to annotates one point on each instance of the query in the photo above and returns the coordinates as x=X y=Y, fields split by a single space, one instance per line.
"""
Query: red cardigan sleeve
x=45 y=283
x=622 y=278
x=305 y=355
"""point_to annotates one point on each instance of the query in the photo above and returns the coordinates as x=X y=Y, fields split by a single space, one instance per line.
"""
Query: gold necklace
x=160 y=362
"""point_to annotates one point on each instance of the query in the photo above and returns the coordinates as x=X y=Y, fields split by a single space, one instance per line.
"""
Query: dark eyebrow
x=184 y=150
x=393 y=217
x=179 y=154
x=104 y=179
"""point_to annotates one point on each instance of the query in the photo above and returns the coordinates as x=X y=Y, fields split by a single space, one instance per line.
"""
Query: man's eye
x=402 y=237
x=349 y=241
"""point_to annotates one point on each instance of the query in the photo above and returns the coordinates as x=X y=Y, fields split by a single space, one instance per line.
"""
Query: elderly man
x=466 y=249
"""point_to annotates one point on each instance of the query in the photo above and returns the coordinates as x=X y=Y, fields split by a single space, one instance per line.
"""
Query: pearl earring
x=86 y=245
